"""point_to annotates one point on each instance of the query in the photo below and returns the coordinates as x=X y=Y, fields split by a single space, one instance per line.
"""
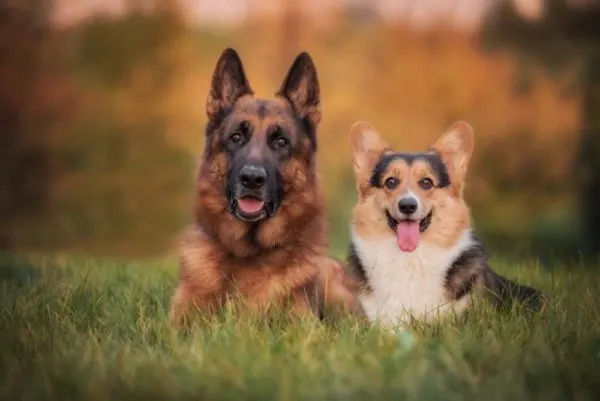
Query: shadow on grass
x=17 y=271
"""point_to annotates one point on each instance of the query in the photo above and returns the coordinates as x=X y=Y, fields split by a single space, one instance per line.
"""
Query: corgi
x=414 y=254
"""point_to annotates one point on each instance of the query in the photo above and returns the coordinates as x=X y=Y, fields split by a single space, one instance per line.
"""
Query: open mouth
x=249 y=208
x=408 y=231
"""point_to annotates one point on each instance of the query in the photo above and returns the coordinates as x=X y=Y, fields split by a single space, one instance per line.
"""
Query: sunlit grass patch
x=87 y=329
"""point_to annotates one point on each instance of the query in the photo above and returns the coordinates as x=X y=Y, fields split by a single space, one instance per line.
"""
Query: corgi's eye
x=391 y=183
x=426 y=183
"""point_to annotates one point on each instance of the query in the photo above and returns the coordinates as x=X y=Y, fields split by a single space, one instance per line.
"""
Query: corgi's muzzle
x=407 y=223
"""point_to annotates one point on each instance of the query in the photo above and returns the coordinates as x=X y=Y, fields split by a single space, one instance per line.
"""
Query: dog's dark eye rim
x=281 y=141
x=236 y=137
x=240 y=133
x=391 y=183
x=426 y=183
x=278 y=138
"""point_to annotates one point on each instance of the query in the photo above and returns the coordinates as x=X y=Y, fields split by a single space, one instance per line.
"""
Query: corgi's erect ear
x=229 y=83
x=455 y=148
x=367 y=149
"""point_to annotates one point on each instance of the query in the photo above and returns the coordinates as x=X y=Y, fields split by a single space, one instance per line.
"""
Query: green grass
x=92 y=330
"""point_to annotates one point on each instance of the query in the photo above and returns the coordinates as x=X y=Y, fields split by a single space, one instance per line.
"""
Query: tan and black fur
x=262 y=152
x=414 y=253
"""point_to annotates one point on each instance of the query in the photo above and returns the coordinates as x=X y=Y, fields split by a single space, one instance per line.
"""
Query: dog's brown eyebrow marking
x=433 y=159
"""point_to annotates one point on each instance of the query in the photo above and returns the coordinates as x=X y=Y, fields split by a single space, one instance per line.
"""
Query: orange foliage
x=410 y=85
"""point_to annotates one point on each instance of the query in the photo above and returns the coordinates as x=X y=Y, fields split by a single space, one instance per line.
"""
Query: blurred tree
x=110 y=49
x=559 y=34
x=122 y=187
x=29 y=98
x=291 y=30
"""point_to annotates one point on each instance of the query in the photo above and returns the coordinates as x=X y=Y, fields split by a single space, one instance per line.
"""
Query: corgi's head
x=416 y=197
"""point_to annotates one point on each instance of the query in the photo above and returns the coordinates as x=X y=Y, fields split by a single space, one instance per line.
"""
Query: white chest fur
x=407 y=285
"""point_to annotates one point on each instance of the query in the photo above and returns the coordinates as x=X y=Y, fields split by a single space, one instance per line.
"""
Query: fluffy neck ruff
x=398 y=286
x=299 y=222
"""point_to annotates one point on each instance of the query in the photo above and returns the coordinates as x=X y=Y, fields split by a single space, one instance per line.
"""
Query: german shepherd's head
x=257 y=186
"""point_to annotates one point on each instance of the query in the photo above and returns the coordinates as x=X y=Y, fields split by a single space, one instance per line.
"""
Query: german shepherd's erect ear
x=301 y=88
x=367 y=149
x=455 y=148
x=229 y=83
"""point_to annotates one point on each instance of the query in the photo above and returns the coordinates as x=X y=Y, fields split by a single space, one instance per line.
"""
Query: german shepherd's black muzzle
x=254 y=190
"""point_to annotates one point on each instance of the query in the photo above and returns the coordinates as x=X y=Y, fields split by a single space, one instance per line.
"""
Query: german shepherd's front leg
x=181 y=305
x=200 y=279
x=185 y=300
x=330 y=291
x=336 y=290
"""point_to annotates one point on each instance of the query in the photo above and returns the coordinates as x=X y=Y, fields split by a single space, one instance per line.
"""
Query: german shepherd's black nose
x=253 y=177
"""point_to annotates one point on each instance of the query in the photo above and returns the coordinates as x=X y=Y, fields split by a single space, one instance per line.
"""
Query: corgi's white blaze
x=411 y=194
x=408 y=284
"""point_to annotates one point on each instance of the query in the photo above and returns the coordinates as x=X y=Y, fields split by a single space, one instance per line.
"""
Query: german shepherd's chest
x=303 y=279
x=265 y=280
x=207 y=268
x=400 y=286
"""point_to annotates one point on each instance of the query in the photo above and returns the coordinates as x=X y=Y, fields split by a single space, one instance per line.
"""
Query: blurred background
x=102 y=109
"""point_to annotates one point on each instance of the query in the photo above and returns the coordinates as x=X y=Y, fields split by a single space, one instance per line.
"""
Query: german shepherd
x=260 y=230
x=414 y=252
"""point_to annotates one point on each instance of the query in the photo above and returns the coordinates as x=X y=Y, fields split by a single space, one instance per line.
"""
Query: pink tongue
x=408 y=235
x=250 y=205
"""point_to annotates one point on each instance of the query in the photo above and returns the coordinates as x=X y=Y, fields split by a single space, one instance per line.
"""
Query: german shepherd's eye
x=239 y=135
x=281 y=142
x=391 y=183
x=426 y=183
x=278 y=140
x=236 y=138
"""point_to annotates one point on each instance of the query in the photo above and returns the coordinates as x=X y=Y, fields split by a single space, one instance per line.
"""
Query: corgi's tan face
x=413 y=196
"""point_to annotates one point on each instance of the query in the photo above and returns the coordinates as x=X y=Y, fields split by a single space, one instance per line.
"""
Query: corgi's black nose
x=408 y=205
